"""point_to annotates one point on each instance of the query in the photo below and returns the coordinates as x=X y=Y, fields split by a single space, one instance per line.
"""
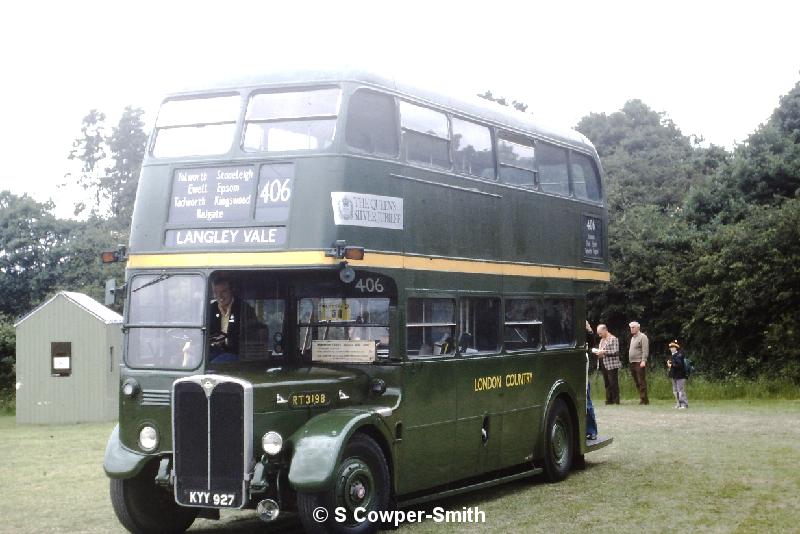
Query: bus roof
x=476 y=107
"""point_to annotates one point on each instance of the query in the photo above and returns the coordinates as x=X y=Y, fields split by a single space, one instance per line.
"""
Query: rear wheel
x=559 y=442
x=361 y=481
x=145 y=508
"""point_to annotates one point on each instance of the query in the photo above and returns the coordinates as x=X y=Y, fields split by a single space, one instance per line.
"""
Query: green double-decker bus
x=351 y=295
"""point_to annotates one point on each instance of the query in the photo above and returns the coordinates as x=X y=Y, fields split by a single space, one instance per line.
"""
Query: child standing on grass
x=676 y=366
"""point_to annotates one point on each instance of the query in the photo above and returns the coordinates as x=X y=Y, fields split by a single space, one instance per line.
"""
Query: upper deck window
x=372 y=123
x=585 y=181
x=196 y=126
x=516 y=157
x=553 y=175
x=472 y=149
x=295 y=120
x=426 y=135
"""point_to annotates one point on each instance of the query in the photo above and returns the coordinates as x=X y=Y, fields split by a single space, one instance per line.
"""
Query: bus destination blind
x=206 y=197
x=219 y=194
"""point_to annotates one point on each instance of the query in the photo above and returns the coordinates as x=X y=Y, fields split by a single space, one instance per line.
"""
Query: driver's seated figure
x=227 y=314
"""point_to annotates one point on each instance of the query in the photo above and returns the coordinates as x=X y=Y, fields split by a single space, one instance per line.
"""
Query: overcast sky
x=717 y=68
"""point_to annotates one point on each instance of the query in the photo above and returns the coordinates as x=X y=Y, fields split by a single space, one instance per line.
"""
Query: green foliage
x=744 y=308
x=33 y=243
x=647 y=160
x=702 y=388
x=126 y=144
x=7 y=355
x=716 y=267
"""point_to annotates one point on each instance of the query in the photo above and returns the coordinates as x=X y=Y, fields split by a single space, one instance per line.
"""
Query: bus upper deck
x=418 y=179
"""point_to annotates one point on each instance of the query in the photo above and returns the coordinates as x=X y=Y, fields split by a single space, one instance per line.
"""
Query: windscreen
x=165 y=317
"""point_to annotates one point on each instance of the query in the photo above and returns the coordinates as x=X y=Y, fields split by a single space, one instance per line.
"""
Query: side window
x=61 y=358
x=371 y=123
x=553 y=175
x=559 y=323
x=431 y=327
x=516 y=157
x=479 y=325
x=585 y=181
x=472 y=149
x=523 y=325
x=426 y=136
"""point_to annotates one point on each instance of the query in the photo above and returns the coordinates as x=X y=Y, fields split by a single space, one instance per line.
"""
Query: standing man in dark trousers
x=608 y=358
x=637 y=356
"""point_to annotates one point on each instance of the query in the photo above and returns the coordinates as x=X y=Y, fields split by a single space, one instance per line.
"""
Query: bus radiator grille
x=209 y=444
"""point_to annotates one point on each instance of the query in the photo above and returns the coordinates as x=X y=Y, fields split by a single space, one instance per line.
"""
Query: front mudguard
x=121 y=462
x=319 y=444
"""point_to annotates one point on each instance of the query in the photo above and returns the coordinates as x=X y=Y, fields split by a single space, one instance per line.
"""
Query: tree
x=89 y=149
x=519 y=106
x=33 y=244
x=647 y=160
x=119 y=155
x=127 y=145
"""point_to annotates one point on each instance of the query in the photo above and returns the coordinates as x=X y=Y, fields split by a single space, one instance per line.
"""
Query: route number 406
x=370 y=285
x=276 y=190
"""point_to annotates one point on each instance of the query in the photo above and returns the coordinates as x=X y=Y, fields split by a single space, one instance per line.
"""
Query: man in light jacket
x=637 y=356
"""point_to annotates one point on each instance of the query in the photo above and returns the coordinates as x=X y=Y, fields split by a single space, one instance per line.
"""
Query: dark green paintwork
x=429 y=422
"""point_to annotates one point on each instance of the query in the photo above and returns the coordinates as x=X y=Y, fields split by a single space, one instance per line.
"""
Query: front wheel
x=144 y=508
x=360 y=485
x=559 y=442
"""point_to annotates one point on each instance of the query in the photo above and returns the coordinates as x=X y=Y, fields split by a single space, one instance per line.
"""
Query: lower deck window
x=431 y=327
x=479 y=325
x=523 y=325
x=559 y=323
x=349 y=319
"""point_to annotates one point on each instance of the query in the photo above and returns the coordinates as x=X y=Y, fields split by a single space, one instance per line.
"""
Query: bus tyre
x=361 y=480
x=144 y=508
x=559 y=440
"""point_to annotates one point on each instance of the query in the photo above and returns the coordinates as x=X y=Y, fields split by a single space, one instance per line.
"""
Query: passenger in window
x=228 y=317
x=445 y=345
x=608 y=354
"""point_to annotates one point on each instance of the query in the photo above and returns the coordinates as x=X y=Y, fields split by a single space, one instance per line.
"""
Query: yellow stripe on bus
x=371 y=259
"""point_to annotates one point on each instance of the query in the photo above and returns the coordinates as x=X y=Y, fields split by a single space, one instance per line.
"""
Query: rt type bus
x=347 y=293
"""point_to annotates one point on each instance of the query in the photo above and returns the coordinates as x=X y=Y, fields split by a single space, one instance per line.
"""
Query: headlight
x=148 y=438
x=272 y=443
x=130 y=387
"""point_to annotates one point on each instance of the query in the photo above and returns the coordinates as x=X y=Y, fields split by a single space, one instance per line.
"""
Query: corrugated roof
x=84 y=301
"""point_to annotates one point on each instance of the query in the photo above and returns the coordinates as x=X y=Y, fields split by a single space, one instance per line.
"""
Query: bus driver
x=225 y=318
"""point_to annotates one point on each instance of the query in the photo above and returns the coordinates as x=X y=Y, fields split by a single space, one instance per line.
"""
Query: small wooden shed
x=68 y=356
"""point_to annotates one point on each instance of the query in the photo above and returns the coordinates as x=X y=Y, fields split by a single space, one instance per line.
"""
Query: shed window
x=426 y=135
x=61 y=358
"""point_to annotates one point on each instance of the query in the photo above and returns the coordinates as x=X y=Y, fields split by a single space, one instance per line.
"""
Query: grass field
x=721 y=466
